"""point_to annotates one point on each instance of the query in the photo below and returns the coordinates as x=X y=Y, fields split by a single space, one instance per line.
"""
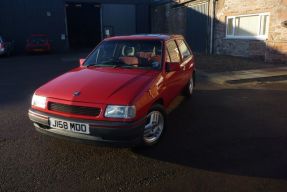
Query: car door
x=187 y=60
x=174 y=79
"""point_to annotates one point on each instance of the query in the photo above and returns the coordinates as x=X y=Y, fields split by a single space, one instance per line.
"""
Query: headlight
x=39 y=101
x=115 y=111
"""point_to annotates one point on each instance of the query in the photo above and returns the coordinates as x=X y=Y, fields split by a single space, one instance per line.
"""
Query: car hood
x=99 y=85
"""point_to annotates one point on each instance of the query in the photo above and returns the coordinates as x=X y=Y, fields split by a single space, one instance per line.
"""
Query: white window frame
x=257 y=37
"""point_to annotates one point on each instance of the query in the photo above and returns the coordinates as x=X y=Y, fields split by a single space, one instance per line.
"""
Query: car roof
x=162 y=37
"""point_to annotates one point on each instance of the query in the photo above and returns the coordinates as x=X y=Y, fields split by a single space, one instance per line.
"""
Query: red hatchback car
x=38 y=43
x=119 y=93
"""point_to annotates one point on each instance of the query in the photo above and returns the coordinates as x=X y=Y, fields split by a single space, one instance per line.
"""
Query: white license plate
x=69 y=125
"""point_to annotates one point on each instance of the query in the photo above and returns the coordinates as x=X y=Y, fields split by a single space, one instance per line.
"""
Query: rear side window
x=184 y=50
x=173 y=51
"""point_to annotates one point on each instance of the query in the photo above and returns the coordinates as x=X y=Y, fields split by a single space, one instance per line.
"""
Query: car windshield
x=145 y=54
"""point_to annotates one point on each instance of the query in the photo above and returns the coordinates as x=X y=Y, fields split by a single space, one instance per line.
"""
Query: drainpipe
x=212 y=15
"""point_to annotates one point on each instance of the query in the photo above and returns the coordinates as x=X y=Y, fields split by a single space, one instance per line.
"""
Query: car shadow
x=241 y=132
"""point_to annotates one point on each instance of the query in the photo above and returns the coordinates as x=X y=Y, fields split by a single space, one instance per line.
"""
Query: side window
x=173 y=51
x=184 y=50
x=167 y=58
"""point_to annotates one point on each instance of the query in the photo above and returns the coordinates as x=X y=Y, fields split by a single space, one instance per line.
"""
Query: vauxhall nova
x=119 y=93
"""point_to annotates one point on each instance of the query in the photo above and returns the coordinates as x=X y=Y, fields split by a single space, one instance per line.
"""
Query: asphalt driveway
x=223 y=139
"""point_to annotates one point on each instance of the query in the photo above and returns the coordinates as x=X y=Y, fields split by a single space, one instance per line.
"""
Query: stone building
x=244 y=28
x=251 y=29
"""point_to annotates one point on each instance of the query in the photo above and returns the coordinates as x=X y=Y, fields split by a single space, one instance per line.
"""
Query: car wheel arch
x=159 y=101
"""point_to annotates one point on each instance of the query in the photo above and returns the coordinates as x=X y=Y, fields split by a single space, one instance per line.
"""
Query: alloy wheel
x=154 y=127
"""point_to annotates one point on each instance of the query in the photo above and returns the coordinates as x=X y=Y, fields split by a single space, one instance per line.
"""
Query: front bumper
x=129 y=133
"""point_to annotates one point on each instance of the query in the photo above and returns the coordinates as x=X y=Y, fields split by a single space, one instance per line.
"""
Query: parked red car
x=38 y=43
x=119 y=93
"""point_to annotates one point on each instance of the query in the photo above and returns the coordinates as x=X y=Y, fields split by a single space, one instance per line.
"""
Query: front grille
x=72 y=109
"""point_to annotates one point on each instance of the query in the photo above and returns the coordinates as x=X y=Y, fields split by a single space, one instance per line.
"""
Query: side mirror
x=82 y=61
x=172 y=66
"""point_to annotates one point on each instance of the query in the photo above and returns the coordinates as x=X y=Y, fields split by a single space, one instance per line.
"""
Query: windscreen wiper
x=99 y=65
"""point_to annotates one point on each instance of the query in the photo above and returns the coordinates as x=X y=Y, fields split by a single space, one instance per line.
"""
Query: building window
x=253 y=26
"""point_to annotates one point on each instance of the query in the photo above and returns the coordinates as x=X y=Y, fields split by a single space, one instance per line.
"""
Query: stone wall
x=274 y=49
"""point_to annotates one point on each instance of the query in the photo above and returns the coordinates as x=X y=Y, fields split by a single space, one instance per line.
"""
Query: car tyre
x=189 y=89
x=155 y=126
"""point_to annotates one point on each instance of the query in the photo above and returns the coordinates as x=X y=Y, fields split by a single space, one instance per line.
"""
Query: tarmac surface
x=225 y=138
x=249 y=76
